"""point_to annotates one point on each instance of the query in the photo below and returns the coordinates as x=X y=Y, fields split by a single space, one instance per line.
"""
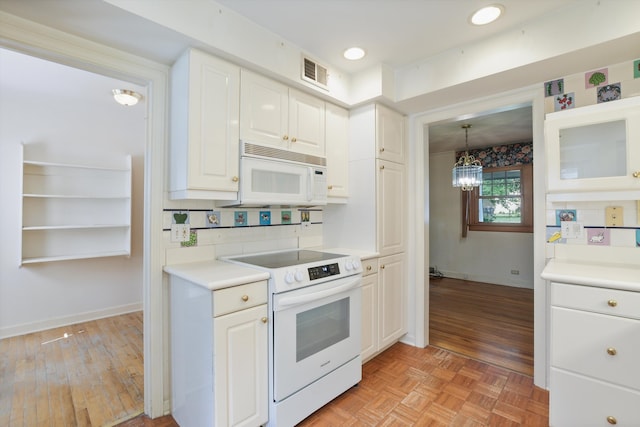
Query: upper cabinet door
x=264 y=111
x=390 y=127
x=594 y=148
x=204 y=128
x=306 y=124
x=337 y=149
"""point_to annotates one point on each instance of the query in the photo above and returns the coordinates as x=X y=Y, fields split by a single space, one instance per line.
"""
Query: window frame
x=526 y=186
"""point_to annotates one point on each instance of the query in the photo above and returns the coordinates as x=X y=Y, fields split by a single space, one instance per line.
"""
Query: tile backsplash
x=230 y=231
x=587 y=221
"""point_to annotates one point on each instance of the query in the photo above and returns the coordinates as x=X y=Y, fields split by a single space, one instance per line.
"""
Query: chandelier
x=467 y=171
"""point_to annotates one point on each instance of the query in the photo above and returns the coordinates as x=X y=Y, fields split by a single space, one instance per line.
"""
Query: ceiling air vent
x=314 y=73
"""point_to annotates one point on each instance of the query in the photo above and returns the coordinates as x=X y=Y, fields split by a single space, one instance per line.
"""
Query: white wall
x=482 y=256
x=71 y=115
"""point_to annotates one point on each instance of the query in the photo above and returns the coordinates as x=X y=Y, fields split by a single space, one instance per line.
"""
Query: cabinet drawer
x=369 y=266
x=600 y=346
x=599 y=300
x=236 y=298
x=579 y=401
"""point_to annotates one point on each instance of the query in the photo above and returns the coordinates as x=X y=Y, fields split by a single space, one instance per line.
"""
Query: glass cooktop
x=286 y=258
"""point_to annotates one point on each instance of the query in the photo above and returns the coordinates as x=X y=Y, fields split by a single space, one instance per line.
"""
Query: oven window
x=321 y=327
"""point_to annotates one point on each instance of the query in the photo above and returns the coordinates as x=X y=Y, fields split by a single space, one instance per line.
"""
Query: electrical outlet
x=515 y=272
x=180 y=232
x=613 y=216
x=571 y=229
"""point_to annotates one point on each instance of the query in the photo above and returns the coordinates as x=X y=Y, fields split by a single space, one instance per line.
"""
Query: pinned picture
x=239 y=218
x=565 y=215
x=213 y=219
x=265 y=217
x=598 y=236
x=285 y=217
x=564 y=102
x=596 y=78
x=636 y=69
x=554 y=87
x=554 y=235
x=610 y=92
x=181 y=218
x=193 y=240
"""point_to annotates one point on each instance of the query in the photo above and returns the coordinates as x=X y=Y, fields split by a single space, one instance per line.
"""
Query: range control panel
x=323 y=271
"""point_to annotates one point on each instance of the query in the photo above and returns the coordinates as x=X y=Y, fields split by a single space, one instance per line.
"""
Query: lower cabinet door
x=241 y=367
x=579 y=401
x=369 y=335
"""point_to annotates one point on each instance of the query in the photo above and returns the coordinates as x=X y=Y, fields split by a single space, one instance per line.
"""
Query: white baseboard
x=41 y=325
x=516 y=283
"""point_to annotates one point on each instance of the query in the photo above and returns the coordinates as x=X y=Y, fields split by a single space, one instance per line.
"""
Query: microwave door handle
x=309 y=184
x=314 y=296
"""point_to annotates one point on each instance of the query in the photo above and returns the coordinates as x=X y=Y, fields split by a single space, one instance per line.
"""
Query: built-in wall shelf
x=75 y=211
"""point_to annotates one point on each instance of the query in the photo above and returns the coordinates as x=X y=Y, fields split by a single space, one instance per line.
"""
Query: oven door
x=316 y=330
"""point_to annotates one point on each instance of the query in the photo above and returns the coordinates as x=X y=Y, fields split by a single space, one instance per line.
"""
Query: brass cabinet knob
x=330 y=187
x=636 y=174
x=612 y=303
x=285 y=137
x=294 y=139
x=368 y=268
x=235 y=179
x=612 y=351
x=382 y=267
x=264 y=320
x=382 y=167
x=245 y=298
x=612 y=420
x=382 y=150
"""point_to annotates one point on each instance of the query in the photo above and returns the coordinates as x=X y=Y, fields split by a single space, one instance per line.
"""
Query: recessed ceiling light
x=354 y=53
x=487 y=14
x=126 y=97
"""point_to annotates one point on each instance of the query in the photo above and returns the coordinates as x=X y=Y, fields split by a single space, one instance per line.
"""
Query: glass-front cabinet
x=595 y=148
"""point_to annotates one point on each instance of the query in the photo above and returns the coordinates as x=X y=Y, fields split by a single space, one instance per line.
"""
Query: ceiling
x=392 y=32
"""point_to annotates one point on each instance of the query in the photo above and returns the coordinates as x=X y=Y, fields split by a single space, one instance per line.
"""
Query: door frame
x=53 y=45
x=419 y=224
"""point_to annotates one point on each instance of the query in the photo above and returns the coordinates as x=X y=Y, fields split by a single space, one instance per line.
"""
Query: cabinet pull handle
x=235 y=179
x=245 y=298
x=264 y=320
x=612 y=420
x=636 y=174
x=368 y=268
x=285 y=137
x=612 y=351
x=612 y=303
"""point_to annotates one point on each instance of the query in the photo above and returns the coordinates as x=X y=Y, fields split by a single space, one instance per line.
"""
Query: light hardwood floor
x=491 y=323
x=92 y=376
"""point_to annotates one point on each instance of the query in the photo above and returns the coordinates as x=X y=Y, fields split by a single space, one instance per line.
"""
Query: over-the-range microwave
x=271 y=176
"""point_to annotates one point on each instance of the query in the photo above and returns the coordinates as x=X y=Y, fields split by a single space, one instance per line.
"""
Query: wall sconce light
x=126 y=97
x=467 y=171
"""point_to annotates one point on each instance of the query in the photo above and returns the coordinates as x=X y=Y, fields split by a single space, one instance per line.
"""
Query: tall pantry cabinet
x=374 y=219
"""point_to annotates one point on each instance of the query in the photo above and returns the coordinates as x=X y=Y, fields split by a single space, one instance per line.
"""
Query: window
x=504 y=201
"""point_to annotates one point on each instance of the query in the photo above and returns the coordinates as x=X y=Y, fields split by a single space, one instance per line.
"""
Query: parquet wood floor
x=92 y=376
x=492 y=323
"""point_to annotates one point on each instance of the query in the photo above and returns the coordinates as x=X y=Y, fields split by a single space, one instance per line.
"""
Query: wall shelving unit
x=74 y=211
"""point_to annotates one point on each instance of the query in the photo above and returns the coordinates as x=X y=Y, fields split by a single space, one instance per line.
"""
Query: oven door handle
x=315 y=296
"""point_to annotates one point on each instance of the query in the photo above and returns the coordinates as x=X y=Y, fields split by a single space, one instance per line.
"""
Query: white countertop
x=615 y=276
x=216 y=274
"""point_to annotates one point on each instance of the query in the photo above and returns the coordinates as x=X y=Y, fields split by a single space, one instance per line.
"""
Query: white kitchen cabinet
x=392 y=299
x=337 y=148
x=276 y=115
x=594 y=345
x=369 y=337
x=219 y=354
x=204 y=145
x=390 y=129
x=594 y=149
x=391 y=207
x=74 y=211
